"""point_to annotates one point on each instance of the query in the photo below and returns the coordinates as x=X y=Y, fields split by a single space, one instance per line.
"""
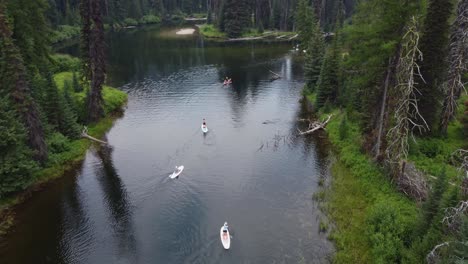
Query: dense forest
x=46 y=98
x=397 y=71
x=392 y=77
x=260 y=14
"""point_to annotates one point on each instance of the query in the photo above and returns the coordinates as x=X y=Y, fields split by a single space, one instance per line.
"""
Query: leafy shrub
x=429 y=148
x=65 y=32
x=58 y=143
x=64 y=62
x=387 y=229
x=150 y=19
x=130 y=22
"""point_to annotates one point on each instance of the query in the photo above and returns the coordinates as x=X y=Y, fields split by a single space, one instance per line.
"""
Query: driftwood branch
x=277 y=75
x=84 y=134
x=314 y=126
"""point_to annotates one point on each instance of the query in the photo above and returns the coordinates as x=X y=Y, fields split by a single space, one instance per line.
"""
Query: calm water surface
x=251 y=169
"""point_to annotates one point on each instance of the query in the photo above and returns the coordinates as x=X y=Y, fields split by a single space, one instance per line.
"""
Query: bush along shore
x=66 y=32
x=65 y=151
x=211 y=32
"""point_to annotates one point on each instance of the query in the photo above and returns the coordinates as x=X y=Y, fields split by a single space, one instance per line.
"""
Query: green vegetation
x=64 y=153
x=370 y=73
x=210 y=31
x=375 y=223
x=65 y=32
x=113 y=98
x=131 y=22
x=360 y=190
x=150 y=19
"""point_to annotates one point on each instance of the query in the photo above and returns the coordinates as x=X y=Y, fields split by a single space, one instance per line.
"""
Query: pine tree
x=314 y=56
x=13 y=78
x=68 y=96
x=305 y=21
x=17 y=166
x=51 y=104
x=236 y=17
x=433 y=204
x=327 y=88
x=372 y=41
x=434 y=48
x=340 y=16
x=68 y=120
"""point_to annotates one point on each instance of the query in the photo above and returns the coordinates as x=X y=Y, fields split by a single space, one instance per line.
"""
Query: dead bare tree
x=405 y=115
x=433 y=256
x=453 y=215
x=460 y=157
x=458 y=59
x=406 y=112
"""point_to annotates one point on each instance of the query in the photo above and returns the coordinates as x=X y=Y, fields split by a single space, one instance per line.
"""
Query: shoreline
x=47 y=175
x=209 y=33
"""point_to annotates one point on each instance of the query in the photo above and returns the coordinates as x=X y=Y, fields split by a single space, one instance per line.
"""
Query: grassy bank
x=374 y=221
x=211 y=31
x=371 y=217
x=67 y=32
x=64 y=153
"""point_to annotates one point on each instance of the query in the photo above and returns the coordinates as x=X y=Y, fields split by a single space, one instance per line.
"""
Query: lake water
x=251 y=169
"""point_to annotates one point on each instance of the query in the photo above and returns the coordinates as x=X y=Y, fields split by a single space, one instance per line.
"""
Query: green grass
x=358 y=186
x=211 y=31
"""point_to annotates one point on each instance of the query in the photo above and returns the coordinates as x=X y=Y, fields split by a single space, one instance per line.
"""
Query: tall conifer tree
x=14 y=81
x=434 y=48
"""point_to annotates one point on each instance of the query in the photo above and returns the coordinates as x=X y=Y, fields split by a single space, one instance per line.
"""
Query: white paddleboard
x=204 y=128
x=176 y=173
x=225 y=238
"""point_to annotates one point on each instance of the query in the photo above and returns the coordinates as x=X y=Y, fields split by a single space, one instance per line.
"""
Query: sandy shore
x=185 y=31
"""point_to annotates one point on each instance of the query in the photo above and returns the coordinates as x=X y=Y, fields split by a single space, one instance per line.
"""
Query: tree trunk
x=382 y=120
x=98 y=64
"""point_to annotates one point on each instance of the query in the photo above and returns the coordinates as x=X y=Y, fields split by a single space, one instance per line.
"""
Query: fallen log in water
x=84 y=134
x=314 y=126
